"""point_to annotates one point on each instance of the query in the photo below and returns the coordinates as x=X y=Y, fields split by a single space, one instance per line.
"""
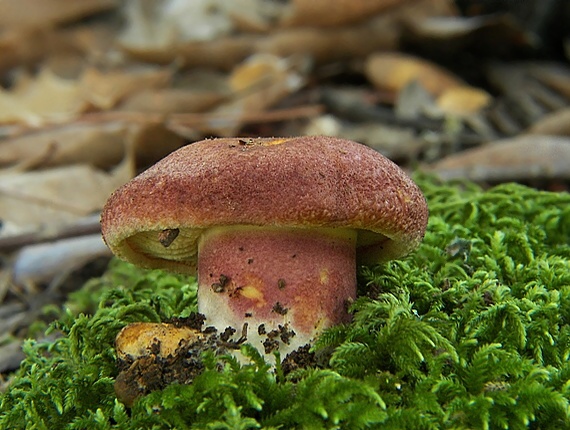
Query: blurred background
x=94 y=91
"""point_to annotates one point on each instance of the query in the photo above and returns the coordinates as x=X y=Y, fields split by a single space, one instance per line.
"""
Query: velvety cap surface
x=304 y=182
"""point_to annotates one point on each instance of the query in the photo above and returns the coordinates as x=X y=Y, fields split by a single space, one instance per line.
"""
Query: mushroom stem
x=288 y=284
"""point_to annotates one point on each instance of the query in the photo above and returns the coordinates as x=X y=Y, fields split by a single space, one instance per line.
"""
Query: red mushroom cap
x=302 y=182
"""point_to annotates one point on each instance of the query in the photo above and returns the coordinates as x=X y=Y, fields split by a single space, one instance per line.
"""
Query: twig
x=88 y=225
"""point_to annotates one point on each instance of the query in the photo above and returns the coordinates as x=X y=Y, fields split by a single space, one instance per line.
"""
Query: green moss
x=471 y=331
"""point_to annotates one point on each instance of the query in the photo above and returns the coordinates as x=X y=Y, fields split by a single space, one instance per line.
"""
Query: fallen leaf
x=256 y=84
x=381 y=32
x=154 y=35
x=394 y=71
x=100 y=145
x=172 y=100
x=193 y=91
x=378 y=32
x=101 y=142
x=555 y=75
x=106 y=89
x=223 y=53
x=76 y=184
x=463 y=100
x=41 y=99
x=326 y=13
x=47 y=13
x=58 y=195
x=255 y=16
x=409 y=77
x=164 y=24
x=335 y=44
x=526 y=157
x=555 y=123
x=23 y=46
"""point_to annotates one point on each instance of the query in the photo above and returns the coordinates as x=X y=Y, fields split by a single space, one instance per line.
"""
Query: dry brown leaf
x=255 y=16
x=555 y=123
x=194 y=91
x=463 y=100
x=420 y=10
x=526 y=157
x=172 y=100
x=323 y=45
x=327 y=13
x=62 y=194
x=105 y=89
x=30 y=201
x=22 y=46
x=555 y=75
x=99 y=142
x=26 y=46
x=327 y=45
x=47 y=13
x=394 y=71
x=46 y=98
x=164 y=24
x=256 y=84
x=223 y=53
x=94 y=41
x=255 y=71
x=381 y=32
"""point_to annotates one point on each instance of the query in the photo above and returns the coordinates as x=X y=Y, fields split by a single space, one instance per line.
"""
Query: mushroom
x=140 y=339
x=149 y=358
x=273 y=227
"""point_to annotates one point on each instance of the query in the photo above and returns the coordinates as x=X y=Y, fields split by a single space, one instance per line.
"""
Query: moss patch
x=471 y=331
